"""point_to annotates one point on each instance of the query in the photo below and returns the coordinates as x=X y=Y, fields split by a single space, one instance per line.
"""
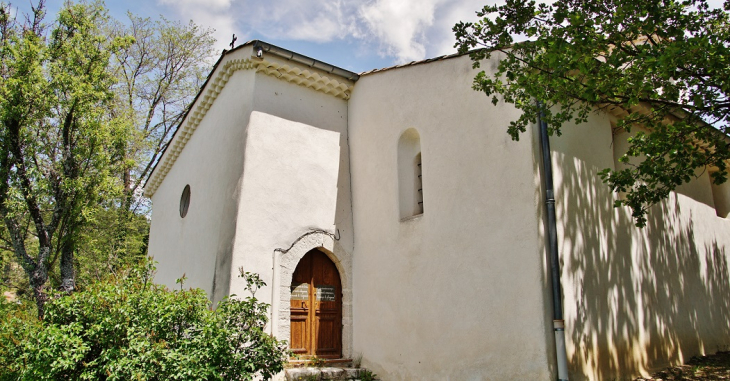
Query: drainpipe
x=552 y=241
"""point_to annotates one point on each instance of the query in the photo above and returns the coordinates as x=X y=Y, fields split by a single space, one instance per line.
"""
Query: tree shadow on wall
x=636 y=299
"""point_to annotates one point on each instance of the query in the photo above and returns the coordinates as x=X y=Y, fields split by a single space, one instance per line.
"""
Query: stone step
x=315 y=362
x=323 y=374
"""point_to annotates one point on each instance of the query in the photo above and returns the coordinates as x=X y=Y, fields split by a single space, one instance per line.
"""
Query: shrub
x=128 y=328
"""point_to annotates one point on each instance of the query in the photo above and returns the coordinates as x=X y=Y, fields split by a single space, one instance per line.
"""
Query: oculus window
x=185 y=201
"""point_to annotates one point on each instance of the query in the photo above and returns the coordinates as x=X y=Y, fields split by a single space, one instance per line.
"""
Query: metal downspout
x=274 y=287
x=552 y=238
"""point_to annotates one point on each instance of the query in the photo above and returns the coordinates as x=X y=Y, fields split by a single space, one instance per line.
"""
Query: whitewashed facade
x=283 y=156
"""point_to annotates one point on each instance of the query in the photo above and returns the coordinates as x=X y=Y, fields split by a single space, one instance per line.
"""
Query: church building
x=392 y=217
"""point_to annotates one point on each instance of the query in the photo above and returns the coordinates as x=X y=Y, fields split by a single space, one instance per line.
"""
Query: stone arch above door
x=286 y=262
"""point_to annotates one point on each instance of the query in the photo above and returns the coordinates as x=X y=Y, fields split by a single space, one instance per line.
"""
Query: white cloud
x=331 y=21
x=715 y=3
x=400 y=25
x=417 y=29
x=441 y=37
x=319 y=29
x=214 y=14
x=210 y=4
x=308 y=20
x=403 y=29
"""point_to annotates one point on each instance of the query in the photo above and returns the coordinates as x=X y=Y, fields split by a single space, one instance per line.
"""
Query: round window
x=185 y=201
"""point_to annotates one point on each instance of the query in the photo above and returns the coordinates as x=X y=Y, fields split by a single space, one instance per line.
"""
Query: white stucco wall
x=200 y=244
x=302 y=146
x=304 y=105
x=289 y=187
x=289 y=190
x=457 y=293
x=461 y=292
x=636 y=299
x=268 y=164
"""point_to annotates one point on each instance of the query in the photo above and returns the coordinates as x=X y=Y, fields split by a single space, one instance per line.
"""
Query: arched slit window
x=419 y=184
x=410 y=174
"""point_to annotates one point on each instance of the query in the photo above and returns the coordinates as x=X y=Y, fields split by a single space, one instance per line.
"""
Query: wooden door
x=316 y=307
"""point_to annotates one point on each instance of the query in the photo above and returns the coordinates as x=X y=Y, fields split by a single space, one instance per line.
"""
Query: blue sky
x=357 y=35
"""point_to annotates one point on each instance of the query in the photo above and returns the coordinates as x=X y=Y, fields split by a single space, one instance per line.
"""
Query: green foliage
x=87 y=106
x=57 y=137
x=113 y=238
x=19 y=322
x=357 y=361
x=663 y=64
x=158 y=77
x=317 y=362
x=366 y=375
x=127 y=328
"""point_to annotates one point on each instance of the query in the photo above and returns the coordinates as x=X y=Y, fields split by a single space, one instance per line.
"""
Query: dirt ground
x=714 y=367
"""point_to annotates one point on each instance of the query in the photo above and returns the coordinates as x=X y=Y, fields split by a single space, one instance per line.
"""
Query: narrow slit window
x=419 y=184
x=410 y=174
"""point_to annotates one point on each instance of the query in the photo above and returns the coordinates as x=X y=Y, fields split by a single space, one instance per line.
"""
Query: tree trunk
x=38 y=279
x=68 y=278
x=127 y=181
x=35 y=270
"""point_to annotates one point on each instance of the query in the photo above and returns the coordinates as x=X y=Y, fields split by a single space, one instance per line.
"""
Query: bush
x=127 y=328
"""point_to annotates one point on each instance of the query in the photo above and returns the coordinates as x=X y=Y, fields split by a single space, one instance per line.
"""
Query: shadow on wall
x=636 y=299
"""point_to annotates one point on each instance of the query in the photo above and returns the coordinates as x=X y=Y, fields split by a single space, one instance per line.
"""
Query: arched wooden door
x=316 y=307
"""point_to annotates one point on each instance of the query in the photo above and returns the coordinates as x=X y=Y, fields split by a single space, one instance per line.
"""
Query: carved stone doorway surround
x=285 y=261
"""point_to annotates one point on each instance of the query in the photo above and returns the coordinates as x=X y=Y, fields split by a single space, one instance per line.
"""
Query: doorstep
x=325 y=373
x=299 y=363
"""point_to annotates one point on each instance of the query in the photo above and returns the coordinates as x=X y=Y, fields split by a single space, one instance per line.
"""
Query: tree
x=159 y=75
x=665 y=64
x=112 y=238
x=150 y=72
x=157 y=78
x=57 y=136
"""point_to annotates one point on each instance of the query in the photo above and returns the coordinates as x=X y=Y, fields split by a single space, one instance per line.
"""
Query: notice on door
x=325 y=293
x=300 y=291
